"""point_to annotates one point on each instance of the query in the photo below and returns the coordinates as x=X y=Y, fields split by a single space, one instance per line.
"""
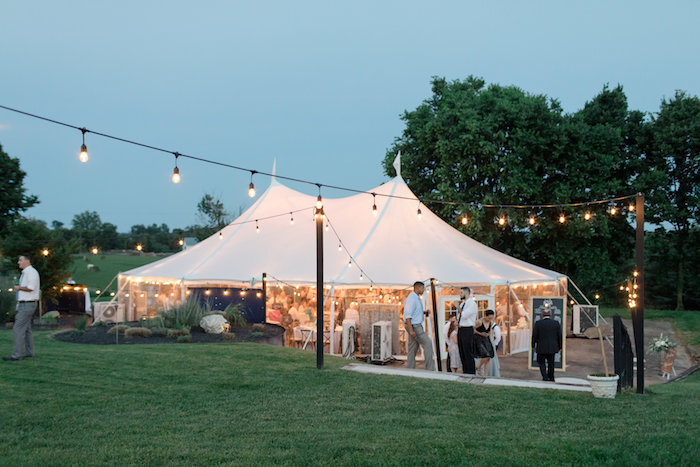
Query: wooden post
x=319 y=287
x=264 y=296
x=638 y=311
x=436 y=326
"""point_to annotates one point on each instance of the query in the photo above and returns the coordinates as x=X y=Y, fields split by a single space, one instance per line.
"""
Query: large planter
x=604 y=386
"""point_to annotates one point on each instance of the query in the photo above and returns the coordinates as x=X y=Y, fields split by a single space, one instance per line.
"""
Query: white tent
x=393 y=247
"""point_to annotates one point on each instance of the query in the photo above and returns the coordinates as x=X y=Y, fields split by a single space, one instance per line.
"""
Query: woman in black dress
x=481 y=343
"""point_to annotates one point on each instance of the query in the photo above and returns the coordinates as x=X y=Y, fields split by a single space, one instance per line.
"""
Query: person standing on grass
x=466 y=318
x=27 y=304
x=546 y=341
x=414 y=316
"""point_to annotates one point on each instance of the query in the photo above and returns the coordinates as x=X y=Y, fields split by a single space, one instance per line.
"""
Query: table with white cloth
x=519 y=340
x=302 y=333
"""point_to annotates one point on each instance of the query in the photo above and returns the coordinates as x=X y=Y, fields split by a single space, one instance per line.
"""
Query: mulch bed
x=97 y=335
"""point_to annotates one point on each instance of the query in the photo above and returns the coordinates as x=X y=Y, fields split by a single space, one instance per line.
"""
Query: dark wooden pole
x=435 y=325
x=638 y=310
x=319 y=288
x=264 y=296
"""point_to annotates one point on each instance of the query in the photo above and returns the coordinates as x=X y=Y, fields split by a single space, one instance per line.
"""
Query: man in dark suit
x=546 y=341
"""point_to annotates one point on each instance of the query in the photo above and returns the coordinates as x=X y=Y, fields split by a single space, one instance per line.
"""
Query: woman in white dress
x=495 y=369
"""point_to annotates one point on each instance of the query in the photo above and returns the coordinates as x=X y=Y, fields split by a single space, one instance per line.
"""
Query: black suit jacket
x=546 y=336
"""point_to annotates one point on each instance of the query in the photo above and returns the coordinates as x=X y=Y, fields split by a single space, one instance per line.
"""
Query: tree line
x=491 y=144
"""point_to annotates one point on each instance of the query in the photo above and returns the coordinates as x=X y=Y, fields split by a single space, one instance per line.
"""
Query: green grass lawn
x=255 y=404
x=686 y=322
x=109 y=266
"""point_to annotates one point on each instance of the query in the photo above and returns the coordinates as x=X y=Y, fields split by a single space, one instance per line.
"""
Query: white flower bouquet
x=661 y=344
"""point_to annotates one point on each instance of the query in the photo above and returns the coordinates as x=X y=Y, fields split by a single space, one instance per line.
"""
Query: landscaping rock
x=214 y=324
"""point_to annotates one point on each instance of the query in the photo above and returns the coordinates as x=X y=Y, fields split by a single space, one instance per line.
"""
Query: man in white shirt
x=414 y=316
x=27 y=304
x=466 y=317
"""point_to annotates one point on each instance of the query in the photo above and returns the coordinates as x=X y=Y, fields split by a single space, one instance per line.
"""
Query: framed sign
x=557 y=305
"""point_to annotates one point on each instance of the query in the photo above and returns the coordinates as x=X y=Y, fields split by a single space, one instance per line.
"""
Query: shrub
x=258 y=327
x=188 y=313
x=50 y=316
x=256 y=334
x=234 y=315
x=81 y=323
x=119 y=328
x=228 y=336
x=184 y=339
x=137 y=332
x=99 y=324
x=159 y=331
x=155 y=322
x=176 y=333
x=8 y=299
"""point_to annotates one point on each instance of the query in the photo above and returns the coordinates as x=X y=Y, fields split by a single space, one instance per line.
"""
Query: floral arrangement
x=661 y=344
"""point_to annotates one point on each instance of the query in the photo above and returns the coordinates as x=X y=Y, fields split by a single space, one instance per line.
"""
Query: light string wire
x=307 y=182
x=352 y=258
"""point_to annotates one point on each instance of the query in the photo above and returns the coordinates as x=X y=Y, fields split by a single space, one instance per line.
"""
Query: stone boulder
x=214 y=324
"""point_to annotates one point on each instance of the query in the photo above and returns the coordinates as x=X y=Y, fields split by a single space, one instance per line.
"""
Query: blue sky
x=318 y=85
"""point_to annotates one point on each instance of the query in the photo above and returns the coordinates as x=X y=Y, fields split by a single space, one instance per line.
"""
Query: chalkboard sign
x=557 y=305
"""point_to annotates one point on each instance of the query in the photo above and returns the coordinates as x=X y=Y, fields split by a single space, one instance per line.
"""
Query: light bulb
x=319 y=202
x=374 y=210
x=420 y=214
x=340 y=247
x=597 y=296
x=45 y=252
x=83 y=153
x=562 y=218
x=176 y=175
x=327 y=227
x=257 y=227
x=362 y=276
x=291 y=220
x=139 y=247
x=532 y=220
x=251 y=190
x=221 y=236
x=95 y=250
x=464 y=220
x=613 y=211
x=501 y=220
x=181 y=242
x=631 y=208
x=587 y=216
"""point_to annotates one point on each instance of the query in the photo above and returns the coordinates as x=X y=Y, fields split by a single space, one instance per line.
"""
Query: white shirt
x=496 y=336
x=469 y=311
x=413 y=309
x=30 y=280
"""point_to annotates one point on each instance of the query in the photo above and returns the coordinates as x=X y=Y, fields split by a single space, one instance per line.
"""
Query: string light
x=251 y=187
x=419 y=212
x=501 y=220
x=257 y=227
x=45 y=252
x=562 y=218
x=176 y=171
x=464 y=219
x=83 y=148
x=374 y=204
x=291 y=219
x=139 y=247
x=587 y=215
x=221 y=236
x=613 y=210
x=597 y=296
x=531 y=221
x=181 y=242
x=361 y=276
x=95 y=250
x=340 y=247
x=630 y=208
x=327 y=227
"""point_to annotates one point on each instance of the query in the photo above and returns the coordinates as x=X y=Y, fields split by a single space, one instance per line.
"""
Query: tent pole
x=435 y=324
x=319 y=285
x=509 y=319
x=264 y=296
x=638 y=311
x=332 y=324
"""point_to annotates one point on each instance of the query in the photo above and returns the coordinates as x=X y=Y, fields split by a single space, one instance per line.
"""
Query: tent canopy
x=393 y=248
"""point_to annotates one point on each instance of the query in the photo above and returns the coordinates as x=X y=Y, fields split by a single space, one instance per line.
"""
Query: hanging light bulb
x=139 y=247
x=176 y=171
x=340 y=247
x=221 y=236
x=465 y=220
x=587 y=216
x=531 y=221
x=291 y=218
x=613 y=210
x=597 y=296
x=371 y=286
x=419 y=213
x=361 y=276
x=181 y=242
x=83 y=148
x=45 y=252
x=562 y=218
x=251 y=187
x=319 y=200
x=349 y=263
x=622 y=287
x=257 y=227
x=502 y=220
x=327 y=227
x=95 y=250
x=630 y=208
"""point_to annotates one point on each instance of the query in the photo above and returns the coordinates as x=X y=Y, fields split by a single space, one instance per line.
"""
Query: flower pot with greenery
x=668 y=347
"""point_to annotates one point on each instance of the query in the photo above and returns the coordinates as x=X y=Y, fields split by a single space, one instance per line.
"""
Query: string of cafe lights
x=176 y=178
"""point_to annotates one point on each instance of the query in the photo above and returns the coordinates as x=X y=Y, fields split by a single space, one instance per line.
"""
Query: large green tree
x=477 y=144
x=675 y=160
x=13 y=197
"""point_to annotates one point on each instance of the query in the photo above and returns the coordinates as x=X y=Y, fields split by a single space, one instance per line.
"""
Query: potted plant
x=666 y=345
x=603 y=384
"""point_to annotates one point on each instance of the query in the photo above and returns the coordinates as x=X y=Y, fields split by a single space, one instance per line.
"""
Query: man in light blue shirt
x=414 y=316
